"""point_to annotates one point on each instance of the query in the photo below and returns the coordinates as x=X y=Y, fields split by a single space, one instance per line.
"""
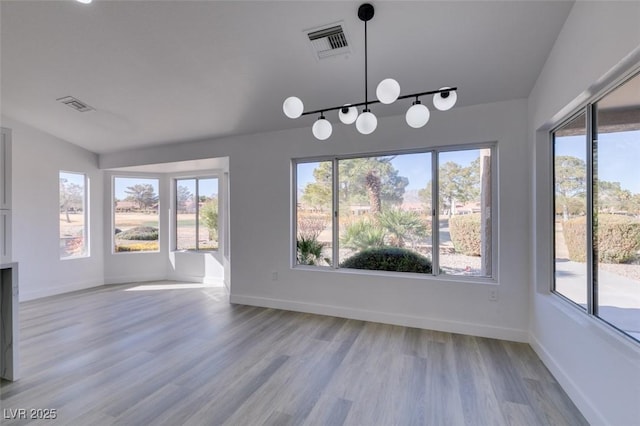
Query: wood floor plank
x=172 y=355
x=477 y=395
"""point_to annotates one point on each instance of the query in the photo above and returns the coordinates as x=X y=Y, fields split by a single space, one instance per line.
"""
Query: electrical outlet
x=493 y=294
x=274 y=276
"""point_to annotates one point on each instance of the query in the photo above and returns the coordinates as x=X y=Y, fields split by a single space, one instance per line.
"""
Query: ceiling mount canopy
x=387 y=92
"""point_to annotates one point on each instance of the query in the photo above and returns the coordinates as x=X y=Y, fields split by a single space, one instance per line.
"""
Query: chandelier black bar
x=387 y=92
x=445 y=94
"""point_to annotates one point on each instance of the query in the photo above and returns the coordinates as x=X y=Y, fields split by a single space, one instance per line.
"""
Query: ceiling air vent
x=329 y=40
x=74 y=103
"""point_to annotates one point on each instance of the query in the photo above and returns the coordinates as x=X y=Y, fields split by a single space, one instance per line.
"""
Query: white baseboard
x=386 y=318
x=586 y=407
x=134 y=279
x=53 y=291
x=214 y=281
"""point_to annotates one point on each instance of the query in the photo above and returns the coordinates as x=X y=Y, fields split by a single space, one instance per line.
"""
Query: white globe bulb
x=366 y=123
x=322 y=129
x=388 y=91
x=443 y=103
x=350 y=116
x=417 y=116
x=292 y=107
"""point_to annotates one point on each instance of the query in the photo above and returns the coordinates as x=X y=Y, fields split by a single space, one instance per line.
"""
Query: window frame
x=590 y=111
x=174 y=203
x=335 y=213
x=113 y=212
x=86 y=237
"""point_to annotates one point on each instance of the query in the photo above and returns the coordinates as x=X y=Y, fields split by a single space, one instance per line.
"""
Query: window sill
x=617 y=338
x=461 y=279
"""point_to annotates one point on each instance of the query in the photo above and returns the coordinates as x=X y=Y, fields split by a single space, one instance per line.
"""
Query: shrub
x=361 y=235
x=388 y=259
x=144 y=246
x=465 y=234
x=309 y=251
x=143 y=233
x=209 y=217
x=402 y=224
x=618 y=238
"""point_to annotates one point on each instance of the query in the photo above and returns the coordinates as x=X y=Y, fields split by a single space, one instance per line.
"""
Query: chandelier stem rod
x=413 y=95
x=366 y=83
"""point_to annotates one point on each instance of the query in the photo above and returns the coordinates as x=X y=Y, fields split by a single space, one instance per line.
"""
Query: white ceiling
x=168 y=71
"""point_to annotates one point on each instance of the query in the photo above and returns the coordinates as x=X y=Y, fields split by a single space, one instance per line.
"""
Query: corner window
x=135 y=218
x=597 y=208
x=197 y=214
x=74 y=226
x=377 y=212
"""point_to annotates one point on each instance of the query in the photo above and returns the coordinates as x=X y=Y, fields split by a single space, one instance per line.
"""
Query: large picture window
x=377 y=212
x=74 y=226
x=135 y=219
x=196 y=213
x=597 y=208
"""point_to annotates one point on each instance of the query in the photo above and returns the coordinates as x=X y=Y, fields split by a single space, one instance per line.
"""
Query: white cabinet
x=5 y=236
x=5 y=170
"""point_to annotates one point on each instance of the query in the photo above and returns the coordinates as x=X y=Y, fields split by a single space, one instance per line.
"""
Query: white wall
x=37 y=161
x=260 y=213
x=599 y=369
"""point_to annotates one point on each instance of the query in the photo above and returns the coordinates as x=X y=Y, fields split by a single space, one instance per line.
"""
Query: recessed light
x=84 y=1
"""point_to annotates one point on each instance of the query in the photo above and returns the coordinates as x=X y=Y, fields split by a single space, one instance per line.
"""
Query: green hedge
x=618 y=238
x=141 y=233
x=465 y=234
x=388 y=259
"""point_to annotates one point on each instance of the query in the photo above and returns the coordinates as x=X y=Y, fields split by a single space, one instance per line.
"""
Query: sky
x=415 y=167
x=208 y=187
x=120 y=185
x=76 y=178
x=618 y=156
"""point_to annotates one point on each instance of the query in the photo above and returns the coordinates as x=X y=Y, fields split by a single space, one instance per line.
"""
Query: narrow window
x=74 y=229
x=597 y=208
x=197 y=221
x=314 y=206
x=464 y=221
x=570 y=209
x=136 y=219
x=616 y=207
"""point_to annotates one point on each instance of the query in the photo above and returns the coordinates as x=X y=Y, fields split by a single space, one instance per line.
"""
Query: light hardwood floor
x=118 y=355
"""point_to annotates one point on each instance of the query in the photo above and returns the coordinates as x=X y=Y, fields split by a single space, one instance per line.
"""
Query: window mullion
x=435 y=222
x=197 y=215
x=335 y=213
x=592 y=211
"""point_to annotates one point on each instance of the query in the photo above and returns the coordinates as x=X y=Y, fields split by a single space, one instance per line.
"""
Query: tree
x=318 y=193
x=371 y=180
x=425 y=196
x=209 y=217
x=374 y=188
x=570 y=182
x=402 y=224
x=458 y=184
x=142 y=194
x=70 y=197
x=183 y=196
x=612 y=198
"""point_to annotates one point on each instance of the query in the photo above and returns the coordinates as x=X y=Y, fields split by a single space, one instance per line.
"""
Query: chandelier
x=388 y=91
